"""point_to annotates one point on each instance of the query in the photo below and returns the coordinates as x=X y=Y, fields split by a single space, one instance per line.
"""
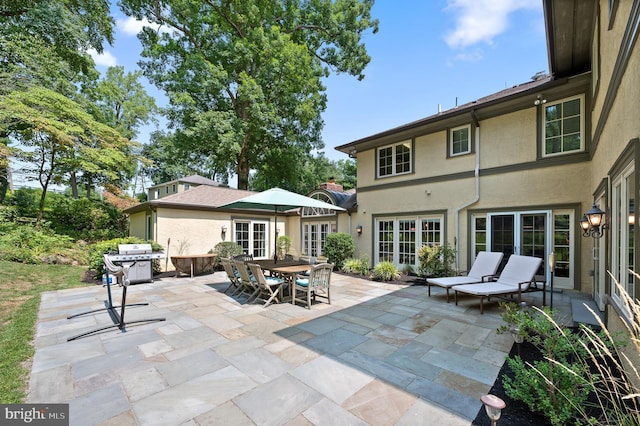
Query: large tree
x=121 y=101
x=244 y=78
x=57 y=135
x=43 y=43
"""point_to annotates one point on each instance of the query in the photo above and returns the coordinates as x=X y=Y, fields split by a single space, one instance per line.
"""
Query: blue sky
x=426 y=53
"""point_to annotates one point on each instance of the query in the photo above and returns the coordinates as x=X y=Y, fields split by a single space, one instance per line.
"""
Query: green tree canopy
x=244 y=78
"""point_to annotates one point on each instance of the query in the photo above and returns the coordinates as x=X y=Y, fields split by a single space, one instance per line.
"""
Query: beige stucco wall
x=137 y=225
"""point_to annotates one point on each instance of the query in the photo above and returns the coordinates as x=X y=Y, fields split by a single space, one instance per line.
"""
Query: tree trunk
x=243 y=173
x=73 y=183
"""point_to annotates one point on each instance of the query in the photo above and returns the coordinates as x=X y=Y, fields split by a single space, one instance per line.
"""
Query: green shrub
x=338 y=247
x=436 y=261
x=25 y=201
x=28 y=244
x=385 y=271
x=97 y=250
x=226 y=249
x=356 y=266
x=87 y=219
x=555 y=385
x=284 y=244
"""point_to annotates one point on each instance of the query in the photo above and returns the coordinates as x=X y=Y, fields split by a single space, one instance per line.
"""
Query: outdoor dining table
x=286 y=269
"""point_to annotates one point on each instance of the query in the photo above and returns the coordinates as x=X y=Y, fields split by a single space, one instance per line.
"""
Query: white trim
x=544 y=126
x=407 y=143
x=454 y=129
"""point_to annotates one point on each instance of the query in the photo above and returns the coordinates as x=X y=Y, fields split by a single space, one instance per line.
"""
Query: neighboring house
x=515 y=171
x=187 y=222
x=179 y=185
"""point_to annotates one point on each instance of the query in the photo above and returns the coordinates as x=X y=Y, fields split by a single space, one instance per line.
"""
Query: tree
x=59 y=136
x=120 y=101
x=244 y=78
x=43 y=43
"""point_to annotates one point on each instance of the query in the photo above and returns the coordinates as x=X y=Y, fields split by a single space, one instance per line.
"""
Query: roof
x=193 y=179
x=203 y=197
x=511 y=93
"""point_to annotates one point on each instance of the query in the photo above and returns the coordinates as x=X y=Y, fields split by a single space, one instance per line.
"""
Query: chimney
x=331 y=185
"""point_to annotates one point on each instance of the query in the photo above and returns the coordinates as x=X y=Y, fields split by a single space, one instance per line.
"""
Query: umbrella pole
x=275 y=244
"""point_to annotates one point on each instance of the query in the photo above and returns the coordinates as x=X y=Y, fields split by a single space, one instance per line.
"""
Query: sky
x=426 y=53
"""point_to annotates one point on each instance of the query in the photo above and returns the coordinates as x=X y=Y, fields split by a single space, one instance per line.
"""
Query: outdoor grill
x=139 y=258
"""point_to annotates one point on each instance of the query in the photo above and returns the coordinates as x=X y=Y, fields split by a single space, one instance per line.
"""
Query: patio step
x=582 y=316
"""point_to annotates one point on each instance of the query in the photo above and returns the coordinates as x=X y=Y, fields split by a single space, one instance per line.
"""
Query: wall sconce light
x=540 y=100
x=224 y=229
x=353 y=153
x=359 y=229
x=493 y=406
x=593 y=222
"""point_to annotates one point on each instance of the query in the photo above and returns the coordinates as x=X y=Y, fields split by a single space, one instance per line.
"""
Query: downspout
x=476 y=123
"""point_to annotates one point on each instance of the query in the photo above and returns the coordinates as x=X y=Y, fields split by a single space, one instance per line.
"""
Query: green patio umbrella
x=278 y=200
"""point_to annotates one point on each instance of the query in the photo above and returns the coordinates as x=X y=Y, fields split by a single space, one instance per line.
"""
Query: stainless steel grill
x=139 y=258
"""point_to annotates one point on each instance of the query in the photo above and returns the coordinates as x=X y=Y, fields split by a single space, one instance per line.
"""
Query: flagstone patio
x=380 y=354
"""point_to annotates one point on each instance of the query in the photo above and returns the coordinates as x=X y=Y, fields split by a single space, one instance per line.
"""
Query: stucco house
x=515 y=171
x=185 y=217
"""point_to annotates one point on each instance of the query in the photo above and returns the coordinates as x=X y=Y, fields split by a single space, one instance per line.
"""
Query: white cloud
x=481 y=20
x=132 y=26
x=105 y=58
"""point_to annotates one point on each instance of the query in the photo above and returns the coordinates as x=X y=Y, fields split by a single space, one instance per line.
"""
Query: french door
x=314 y=235
x=522 y=233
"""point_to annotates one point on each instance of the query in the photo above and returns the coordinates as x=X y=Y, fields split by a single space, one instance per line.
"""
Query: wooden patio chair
x=249 y=285
x=317 y=284
x=233 y=276
x=269 y=287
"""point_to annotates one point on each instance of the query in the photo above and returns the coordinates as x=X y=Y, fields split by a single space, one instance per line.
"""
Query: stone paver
x=380 y=354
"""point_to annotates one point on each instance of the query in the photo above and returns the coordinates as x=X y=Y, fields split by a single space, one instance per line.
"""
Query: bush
x=385 y=271
x=284 y=244
x=96 y=252
x=356 y=266
x=339 y=247
x=226 y=250
x=86 y=219
x=436 y=261
x=28 y=244
x=559 y=383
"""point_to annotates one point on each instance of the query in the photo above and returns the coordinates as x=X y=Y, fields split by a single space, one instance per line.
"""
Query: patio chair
x=244 y=257
x=317 y=284
x=269 y=287
x=484 y=268
x=232 y=274
x=247 y=282
x=517 y=277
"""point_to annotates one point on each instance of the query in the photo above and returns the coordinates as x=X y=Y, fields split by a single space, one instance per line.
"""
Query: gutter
x=477 y=181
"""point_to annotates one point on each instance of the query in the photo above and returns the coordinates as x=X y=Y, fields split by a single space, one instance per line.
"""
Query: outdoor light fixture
x=493 y=405
x=593 y=222
x=359 y=229
x=223 y=231
x=540 y=100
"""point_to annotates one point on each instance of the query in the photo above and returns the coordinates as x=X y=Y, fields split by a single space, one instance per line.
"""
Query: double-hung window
x=395 y=159
x=460 y=140
x=564 y=126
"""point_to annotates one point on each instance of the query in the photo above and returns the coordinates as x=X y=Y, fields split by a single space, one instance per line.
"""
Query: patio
x=379 y=354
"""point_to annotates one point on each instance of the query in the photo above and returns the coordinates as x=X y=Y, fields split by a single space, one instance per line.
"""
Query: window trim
x=394 y=172
x=450 y=131
x=543 y=126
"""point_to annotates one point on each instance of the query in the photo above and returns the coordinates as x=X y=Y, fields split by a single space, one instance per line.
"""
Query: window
x=563 y=127
x=460 y=140
x=186 y=186
x=397 y=239
x=252 y=237
x=395 y=159
x=314 y=235
x=173 y=188
x=166 y=189
x=315 y=211
x=622 y=235
x=479 y=235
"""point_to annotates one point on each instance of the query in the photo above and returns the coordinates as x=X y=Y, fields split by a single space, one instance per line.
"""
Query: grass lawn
x=20 y=288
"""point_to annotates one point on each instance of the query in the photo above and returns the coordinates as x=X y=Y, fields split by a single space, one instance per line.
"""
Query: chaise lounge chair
x=484 y=268
x=517 y=277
